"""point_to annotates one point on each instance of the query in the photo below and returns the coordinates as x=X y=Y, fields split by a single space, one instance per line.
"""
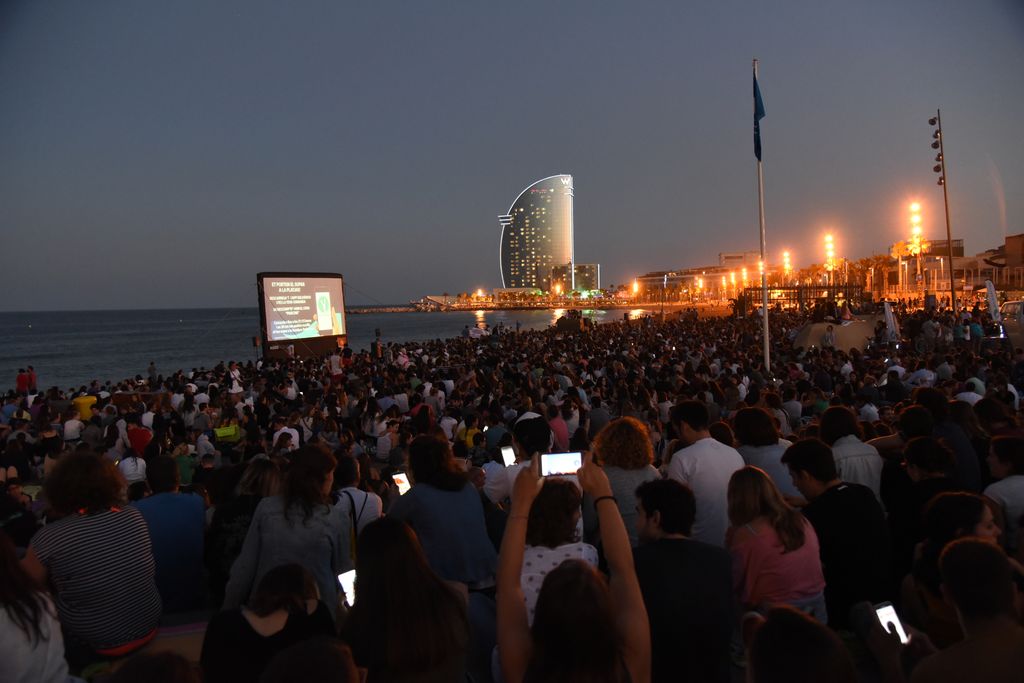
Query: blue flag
x=758 y=115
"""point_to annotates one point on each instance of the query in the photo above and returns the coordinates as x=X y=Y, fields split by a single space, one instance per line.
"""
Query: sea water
x=72 y=348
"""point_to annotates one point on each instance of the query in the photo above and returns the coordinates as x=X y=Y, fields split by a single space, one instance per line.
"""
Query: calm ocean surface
x=71 y=348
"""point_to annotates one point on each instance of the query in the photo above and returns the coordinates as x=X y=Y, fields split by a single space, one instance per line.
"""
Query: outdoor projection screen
x=301 y=311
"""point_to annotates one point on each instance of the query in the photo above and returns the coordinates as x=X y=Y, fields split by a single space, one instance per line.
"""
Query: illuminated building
x=537 y=235
x=588 y=276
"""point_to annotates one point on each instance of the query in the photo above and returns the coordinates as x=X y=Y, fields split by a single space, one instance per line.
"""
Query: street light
x=830 y=257
x=940 y=168
x=916 y=245
x=787 y=266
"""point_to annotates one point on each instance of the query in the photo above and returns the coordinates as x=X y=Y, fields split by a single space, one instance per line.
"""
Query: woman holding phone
x=406 y=624
x=444 y=509
x=298 y=527
x=585 y=627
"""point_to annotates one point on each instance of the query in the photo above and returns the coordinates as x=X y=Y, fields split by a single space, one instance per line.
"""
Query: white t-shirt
x=706 y=467
x=538 y=560
x=869 y=412
x=133 y=469
x=368 y=506
x=858 y=463
x=335 y=364
x=73 y=430
x=290 y=430
x=383 y=446
x=499 y=486
x=969 y=397
x=1009 y=494
x=447 y=425
x=28 y=662
x=921 y=378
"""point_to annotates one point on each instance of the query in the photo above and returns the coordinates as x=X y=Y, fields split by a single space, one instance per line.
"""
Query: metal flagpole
x=764 y=255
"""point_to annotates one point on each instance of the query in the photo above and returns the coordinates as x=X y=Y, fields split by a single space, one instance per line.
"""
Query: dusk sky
x=160 y=154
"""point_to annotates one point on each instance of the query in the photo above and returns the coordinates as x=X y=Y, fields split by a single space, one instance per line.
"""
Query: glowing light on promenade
x=787 y=266
x=916 y=245
x=830 y=256
x=558 y=288
x=636 y=287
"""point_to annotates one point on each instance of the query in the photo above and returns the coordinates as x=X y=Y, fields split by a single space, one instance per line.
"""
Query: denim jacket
x=320 y=544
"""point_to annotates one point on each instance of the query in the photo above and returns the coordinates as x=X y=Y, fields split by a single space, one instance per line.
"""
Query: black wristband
x=600 y=498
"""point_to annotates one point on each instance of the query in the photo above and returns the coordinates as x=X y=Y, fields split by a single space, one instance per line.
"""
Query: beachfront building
x=584 y=276
x=739 y=259
x=588 y=276
x=537 y=235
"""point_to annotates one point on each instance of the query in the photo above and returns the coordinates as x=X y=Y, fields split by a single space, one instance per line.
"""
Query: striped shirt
x=102 y=570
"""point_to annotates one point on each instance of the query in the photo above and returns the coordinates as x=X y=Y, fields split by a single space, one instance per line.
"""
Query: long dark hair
x=947 y=517
x=431 y=462
x=20 y=596
x=286 y=587
x=755 y=427
x=574 y=634
x=304 y=483
x=399 y=594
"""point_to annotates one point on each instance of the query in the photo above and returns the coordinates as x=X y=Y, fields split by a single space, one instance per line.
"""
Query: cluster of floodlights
x=940 y=166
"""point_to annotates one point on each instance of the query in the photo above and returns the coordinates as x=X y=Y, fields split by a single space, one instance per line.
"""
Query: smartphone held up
x=560 y=464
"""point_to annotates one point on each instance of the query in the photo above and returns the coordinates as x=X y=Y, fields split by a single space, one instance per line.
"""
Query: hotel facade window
x=537 y=233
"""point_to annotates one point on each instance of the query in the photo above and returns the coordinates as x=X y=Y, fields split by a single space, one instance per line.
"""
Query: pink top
x=763 y=573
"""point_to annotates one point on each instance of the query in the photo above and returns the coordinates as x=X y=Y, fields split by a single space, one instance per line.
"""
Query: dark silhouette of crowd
x=387 y=515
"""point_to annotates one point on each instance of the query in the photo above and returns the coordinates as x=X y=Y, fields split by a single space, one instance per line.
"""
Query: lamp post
x=940 y=168
x=787 y=267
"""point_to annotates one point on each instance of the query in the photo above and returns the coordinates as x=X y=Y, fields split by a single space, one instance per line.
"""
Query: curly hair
x=84 y=481
x=626 y=443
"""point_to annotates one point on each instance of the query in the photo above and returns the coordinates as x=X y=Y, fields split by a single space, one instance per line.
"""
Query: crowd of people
x=728 y=520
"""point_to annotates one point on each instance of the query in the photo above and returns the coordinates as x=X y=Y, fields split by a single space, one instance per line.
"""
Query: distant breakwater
x=490 y=306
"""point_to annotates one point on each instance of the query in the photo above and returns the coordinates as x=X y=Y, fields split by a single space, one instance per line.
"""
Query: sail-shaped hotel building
x=537 y=234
